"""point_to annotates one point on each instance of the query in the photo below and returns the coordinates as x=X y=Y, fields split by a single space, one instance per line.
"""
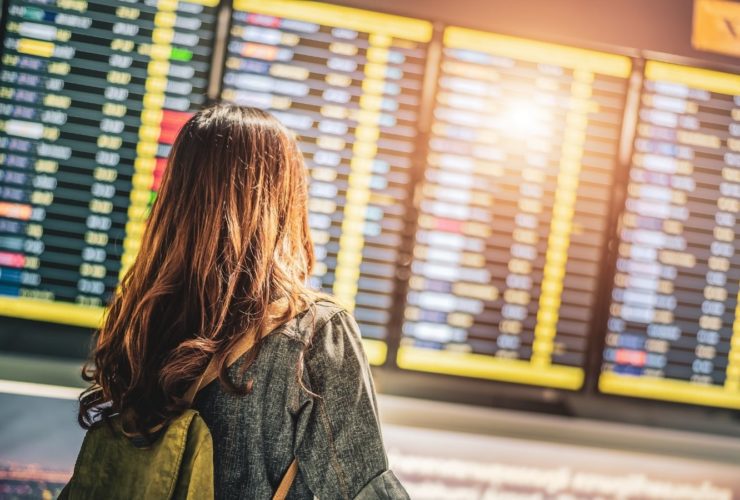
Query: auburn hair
x=227 y=235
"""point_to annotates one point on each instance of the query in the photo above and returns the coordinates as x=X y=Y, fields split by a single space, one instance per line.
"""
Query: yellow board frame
x=366 y=21
x=92 y=317
x=539 y=52
x=698 y=78
x=487 y=367
x=668 y=390
x=66 y=313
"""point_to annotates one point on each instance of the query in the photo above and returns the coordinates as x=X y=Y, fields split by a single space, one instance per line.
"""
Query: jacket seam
x=293 y=333
x=334 y=459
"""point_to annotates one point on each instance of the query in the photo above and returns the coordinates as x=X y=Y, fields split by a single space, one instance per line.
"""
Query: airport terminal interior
x=530 y=208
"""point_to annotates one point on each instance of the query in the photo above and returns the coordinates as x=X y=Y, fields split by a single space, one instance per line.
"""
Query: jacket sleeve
x=339 y=446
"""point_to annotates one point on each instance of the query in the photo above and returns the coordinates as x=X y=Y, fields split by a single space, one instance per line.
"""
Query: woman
x=228 y=237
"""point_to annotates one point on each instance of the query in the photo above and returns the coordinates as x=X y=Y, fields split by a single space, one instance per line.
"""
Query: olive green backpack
x=178 y=466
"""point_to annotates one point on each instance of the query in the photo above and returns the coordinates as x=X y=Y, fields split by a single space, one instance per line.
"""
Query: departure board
x=514 y=209
x=92 y=94
x=674 y=327
x=348 y=82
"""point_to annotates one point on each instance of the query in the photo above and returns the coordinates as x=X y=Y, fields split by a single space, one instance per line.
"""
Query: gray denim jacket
x=335 y=434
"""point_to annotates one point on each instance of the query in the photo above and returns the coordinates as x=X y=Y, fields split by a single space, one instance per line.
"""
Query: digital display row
x=461 y=184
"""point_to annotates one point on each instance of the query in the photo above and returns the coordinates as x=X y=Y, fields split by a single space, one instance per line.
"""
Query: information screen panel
x=91 y=95
x=348 y=82
x=514 y=210
x=674 y=327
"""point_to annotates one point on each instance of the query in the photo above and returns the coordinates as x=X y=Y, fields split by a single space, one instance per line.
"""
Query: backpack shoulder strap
x=287 y=481
x=275 y=319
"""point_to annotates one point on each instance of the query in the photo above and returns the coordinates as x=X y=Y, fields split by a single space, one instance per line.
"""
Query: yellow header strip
x=488 y=367
x=53 y=312
x=538 y=52
x=341 y=17
x=697 y=78
x=668 y=390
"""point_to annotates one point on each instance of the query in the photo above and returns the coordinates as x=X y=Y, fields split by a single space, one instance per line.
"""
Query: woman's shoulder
x=314 y=319
x=330 y=344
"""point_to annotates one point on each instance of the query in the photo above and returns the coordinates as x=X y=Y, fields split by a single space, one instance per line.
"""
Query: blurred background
x=531 y=208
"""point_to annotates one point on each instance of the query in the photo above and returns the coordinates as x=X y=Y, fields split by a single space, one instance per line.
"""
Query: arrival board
x=348 y=82
x=514 y=210
x=91 y=96
x=674 y=327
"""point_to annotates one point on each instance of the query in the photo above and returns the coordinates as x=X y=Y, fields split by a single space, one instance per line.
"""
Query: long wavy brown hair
x=228 y=235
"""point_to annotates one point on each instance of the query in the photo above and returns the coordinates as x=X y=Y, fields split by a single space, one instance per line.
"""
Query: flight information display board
x=674 y=327
x=511 y=209
x=91 y=95
x=514 y=210
x=348 y=82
